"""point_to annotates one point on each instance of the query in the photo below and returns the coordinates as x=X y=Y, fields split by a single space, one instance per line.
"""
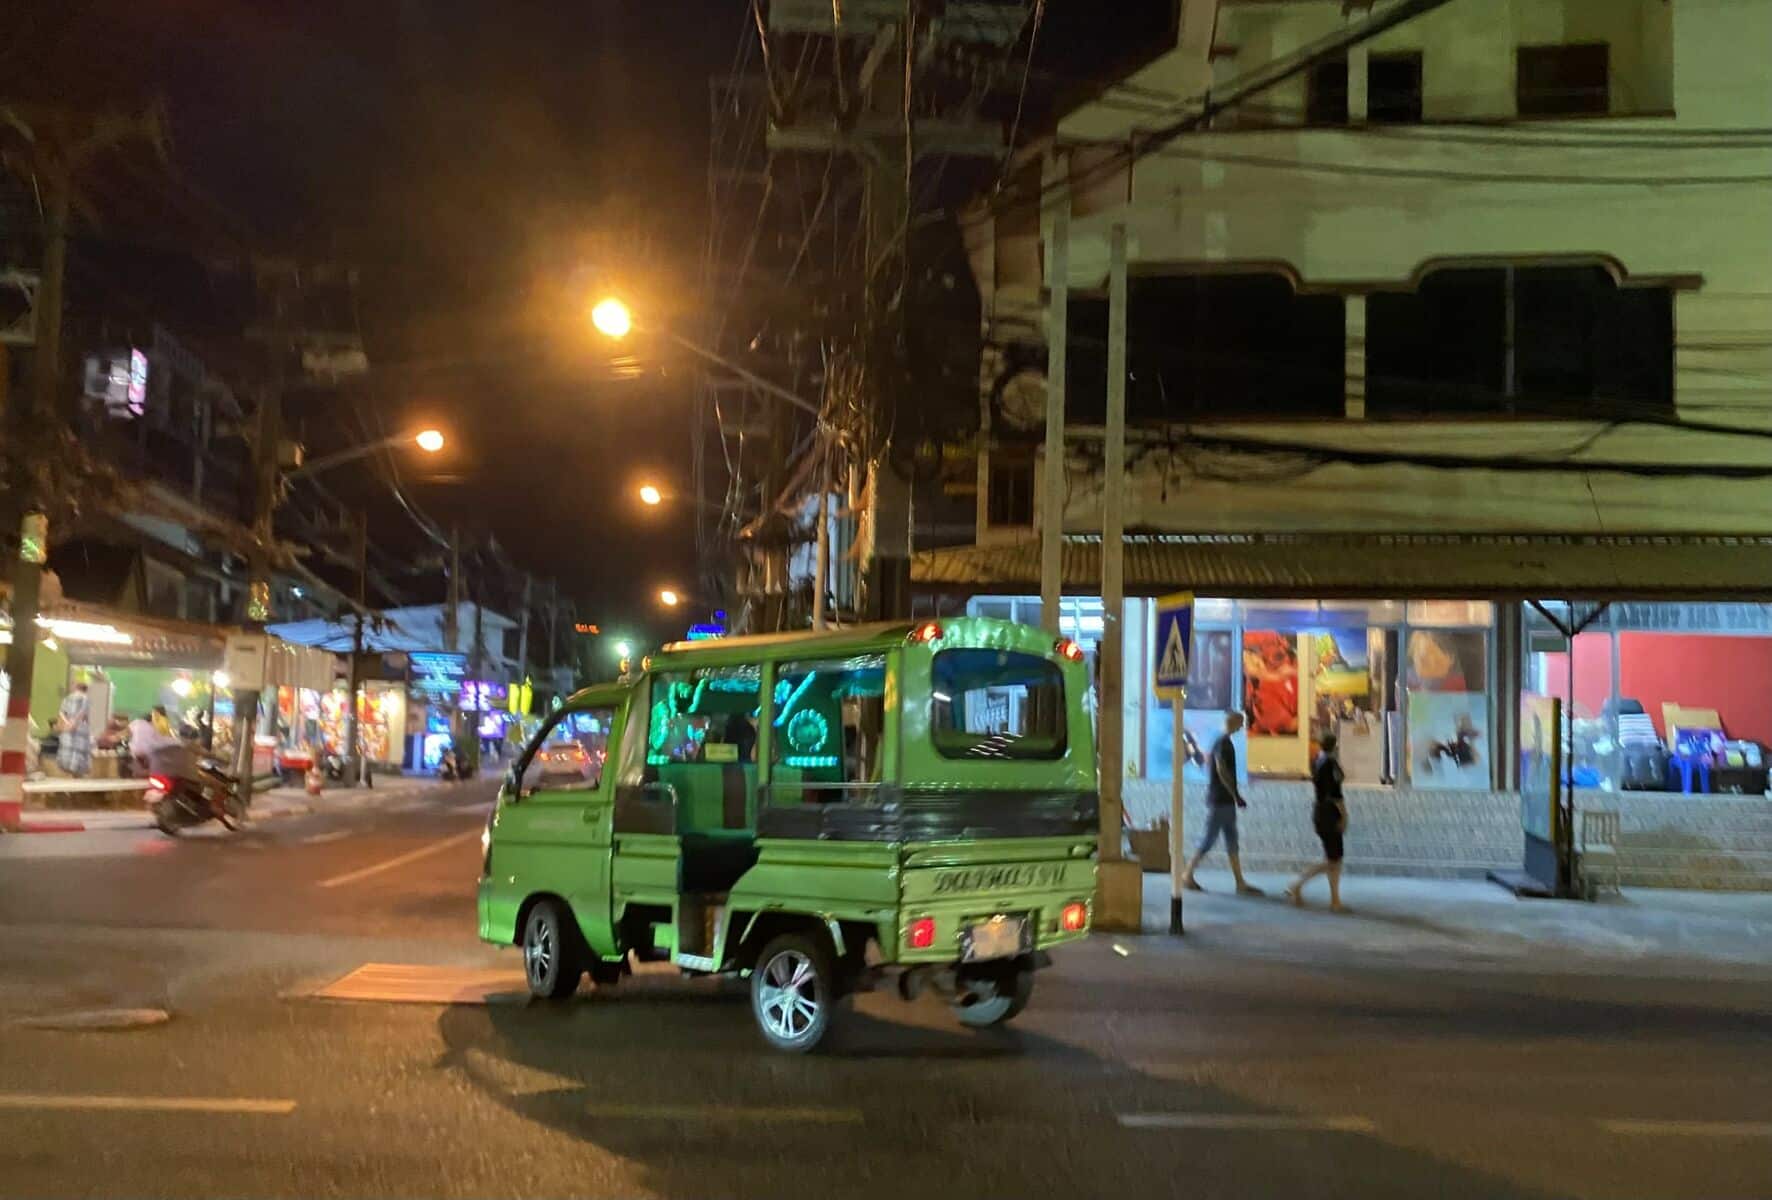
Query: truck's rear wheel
x=1009 y=994
x=551 y=962
x=793 y=993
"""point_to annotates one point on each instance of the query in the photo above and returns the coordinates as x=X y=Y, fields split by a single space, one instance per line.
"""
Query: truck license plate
x=999 y=937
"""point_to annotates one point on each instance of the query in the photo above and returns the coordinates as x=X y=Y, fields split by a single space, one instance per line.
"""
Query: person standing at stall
x=74 y=722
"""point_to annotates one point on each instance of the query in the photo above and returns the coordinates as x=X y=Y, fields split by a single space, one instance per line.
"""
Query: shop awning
x=1392 y=566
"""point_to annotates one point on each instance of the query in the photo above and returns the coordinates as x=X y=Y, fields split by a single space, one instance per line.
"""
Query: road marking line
x=1250 y=1122
x=404 y=983
x=722 y=1112
x=401 y=860
x=200 y=1104
x=314 y=839
x=1688 y=1128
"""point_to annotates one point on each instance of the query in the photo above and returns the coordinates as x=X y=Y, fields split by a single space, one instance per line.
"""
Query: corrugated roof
x=1399 y=566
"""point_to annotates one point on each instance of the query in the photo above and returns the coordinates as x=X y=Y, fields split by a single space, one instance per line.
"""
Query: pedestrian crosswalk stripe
x=1246 y=1122
x=195 y=1104
x=411 y=983
x=1761 y=1129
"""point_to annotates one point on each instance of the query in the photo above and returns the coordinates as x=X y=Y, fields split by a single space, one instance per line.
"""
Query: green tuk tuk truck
x=813 y=811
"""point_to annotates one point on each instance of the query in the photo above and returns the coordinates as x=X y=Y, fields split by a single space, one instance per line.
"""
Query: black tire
x=552 y=962
x=1013 y=994
x=606 y=974
x=163 y=820
x=794 y=993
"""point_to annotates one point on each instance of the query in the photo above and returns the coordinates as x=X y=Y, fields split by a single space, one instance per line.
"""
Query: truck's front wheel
x=793 y=991
x=994 y=1001
x=551 y=963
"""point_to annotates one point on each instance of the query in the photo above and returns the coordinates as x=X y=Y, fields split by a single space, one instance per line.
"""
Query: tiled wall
x=1718 y=842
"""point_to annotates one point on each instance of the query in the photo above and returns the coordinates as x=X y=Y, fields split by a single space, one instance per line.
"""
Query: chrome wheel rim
x=788 y=999
x=538 y=951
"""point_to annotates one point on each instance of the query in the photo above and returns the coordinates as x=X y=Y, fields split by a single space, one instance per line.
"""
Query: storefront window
x=1668 y=697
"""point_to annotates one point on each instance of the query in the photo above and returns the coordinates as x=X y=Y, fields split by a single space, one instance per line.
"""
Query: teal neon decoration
x=808 y=730
x=799 y=690
x=810 y=761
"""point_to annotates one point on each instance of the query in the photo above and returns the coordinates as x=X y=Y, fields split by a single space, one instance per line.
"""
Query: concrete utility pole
x=357 y=766
x=61 y=144
x=476 y=667
x=452 y=631
x=256 y=614
x=523 y=631
x=1052 y=476
x=1121 y=899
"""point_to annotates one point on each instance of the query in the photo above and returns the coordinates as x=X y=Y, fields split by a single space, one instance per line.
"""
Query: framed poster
x=1449 y=740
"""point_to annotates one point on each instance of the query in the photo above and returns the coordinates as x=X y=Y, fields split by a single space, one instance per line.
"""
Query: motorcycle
x=179 y=802
x=451 y=769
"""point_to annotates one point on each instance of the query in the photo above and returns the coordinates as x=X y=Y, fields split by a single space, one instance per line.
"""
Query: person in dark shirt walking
x=1329 y=816
x=1223 y=799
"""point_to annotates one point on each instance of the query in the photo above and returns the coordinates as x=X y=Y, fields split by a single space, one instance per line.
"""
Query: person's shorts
x=1332 y=847
x=1220 y=818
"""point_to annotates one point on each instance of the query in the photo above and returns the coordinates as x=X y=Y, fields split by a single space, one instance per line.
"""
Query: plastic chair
x=1599 y=844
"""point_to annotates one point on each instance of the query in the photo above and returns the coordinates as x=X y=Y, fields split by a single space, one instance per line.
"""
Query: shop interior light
x=85 y=631
x=181 y=687
x=220 y=679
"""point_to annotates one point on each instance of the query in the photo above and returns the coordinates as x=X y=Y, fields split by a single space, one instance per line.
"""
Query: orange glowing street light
x=612 y=318
x=428 y=440
x=668 y=598
x=650 y=496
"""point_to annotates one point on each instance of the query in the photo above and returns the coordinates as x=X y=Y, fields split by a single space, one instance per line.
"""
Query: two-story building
x=1456 y=338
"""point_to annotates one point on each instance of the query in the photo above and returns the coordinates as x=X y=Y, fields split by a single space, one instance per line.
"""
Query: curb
x=373 y=798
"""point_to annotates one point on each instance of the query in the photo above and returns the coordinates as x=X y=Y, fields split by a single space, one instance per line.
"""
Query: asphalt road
x=1143 y=1070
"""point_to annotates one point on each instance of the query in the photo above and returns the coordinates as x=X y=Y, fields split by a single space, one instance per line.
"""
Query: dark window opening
x=1325 y=96
x=1393 y=89
x=1011 y=500
x=1563 y=80
x=1206 y=347
x=1580 y=344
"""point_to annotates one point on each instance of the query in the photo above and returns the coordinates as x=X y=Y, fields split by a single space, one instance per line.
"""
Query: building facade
x=1455 y=342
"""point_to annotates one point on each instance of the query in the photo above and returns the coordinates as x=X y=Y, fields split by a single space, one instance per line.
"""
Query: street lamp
x=650 y=495
x=428 y=440
x=668 y=598
x=623 y=650
x=613 y=320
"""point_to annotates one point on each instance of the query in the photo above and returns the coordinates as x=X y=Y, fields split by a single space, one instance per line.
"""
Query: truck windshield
x=996 y=704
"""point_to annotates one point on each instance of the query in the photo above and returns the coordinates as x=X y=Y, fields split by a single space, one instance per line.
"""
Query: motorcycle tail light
x=160 y=783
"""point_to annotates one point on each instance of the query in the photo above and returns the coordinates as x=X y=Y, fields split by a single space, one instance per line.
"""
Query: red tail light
x=928 y=631
x=920 y=935
x=160 y=783
x=1074 y=918
x=1068 y=649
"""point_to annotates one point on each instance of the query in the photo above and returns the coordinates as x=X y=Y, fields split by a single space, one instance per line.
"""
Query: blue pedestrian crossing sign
x=1173 y=644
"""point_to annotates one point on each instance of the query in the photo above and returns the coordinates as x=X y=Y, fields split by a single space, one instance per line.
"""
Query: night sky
x=489 y=168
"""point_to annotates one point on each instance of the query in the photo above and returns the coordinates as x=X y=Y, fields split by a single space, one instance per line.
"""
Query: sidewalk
x=1467 y=925
x=266 y=805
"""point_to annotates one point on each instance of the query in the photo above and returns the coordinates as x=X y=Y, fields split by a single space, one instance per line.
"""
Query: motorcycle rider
x=158 y=753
